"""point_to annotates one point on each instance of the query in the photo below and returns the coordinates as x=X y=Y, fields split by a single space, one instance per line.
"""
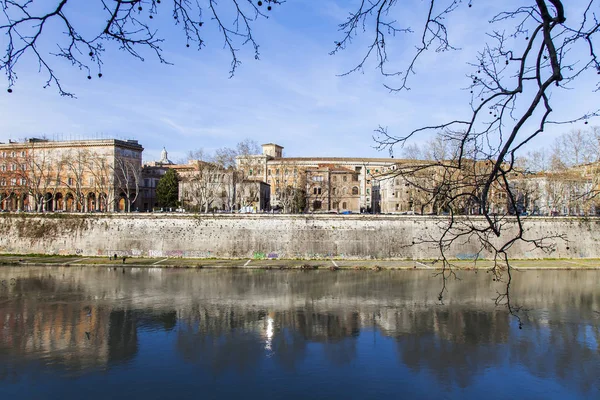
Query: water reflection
x=68 y=322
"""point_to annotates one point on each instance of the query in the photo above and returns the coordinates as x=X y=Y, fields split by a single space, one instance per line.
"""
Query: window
x=334 y=191
x=354 y=190
x=146 y=182
x=70 y=181
x=368 y=191
x=317 y=178
x=334 y=178
x=344 y=205
x=345 y=178
x=277 y=171
x=13 y=167
x=12 y=153
x=357 y=169
x=316 y=205
x=13 y=181
x=287 y=172
x=91 y=181
x=22 y=154
x=250 y=173
x=23 y=181
x=3 y=167
x=355 y=178
x=368 y=171
x=269 y=172
x=317 y=190
x=3 y=182
x=336 y=205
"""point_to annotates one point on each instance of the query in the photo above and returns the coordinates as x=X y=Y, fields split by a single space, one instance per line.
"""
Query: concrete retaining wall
x=273 y=236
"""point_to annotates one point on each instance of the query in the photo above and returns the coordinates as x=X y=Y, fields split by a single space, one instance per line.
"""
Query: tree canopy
x=167 y=189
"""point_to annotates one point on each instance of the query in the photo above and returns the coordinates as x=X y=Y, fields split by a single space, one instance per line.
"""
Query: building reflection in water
x=73 y=321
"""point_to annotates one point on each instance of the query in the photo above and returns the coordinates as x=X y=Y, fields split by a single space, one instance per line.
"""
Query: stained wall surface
x=277 y=236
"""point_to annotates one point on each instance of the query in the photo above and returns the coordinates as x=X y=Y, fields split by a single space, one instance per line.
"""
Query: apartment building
x=288 y=175
x=76 y=175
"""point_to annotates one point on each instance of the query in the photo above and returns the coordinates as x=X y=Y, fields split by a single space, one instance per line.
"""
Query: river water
x=99 y=333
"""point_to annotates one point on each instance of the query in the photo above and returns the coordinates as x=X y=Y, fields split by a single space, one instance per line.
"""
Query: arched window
x=334 y=191
x=354 y=190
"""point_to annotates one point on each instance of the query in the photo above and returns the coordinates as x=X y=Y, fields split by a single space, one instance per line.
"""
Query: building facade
x=74 y=176
x=288 y=175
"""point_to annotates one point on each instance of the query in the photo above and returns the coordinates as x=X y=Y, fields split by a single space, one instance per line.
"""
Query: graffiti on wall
x=467 y=256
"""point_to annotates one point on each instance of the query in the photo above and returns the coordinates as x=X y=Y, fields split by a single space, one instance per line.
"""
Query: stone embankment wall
x=275 y=236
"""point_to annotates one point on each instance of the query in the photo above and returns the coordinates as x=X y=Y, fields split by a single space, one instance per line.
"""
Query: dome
x=164 y=159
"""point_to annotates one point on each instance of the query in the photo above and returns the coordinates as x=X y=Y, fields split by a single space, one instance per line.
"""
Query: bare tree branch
x=129 y=24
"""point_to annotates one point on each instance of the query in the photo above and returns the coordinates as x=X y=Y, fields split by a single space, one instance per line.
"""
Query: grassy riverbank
x=55 y=260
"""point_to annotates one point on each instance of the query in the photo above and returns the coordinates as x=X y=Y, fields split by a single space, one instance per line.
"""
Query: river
x=105 y=333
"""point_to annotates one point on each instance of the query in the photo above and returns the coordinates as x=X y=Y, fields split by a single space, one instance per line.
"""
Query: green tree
x=167 y=189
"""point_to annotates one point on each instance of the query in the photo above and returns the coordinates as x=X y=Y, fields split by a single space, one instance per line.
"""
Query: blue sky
x=292 y=96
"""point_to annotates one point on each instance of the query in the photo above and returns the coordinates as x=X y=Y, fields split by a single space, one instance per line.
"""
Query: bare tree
x=130 y=24
x=202 y=186
x=40 y=174
x=512 y=87
x=214 y=181
x=102 y=176
x=412 y=151
x=574 y=148
x=533 y=161
x=127 y=176
x=288 y=185
x=76 y=162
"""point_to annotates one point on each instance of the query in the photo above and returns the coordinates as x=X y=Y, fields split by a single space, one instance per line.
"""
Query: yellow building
x=80 y=175
x=288 y=175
